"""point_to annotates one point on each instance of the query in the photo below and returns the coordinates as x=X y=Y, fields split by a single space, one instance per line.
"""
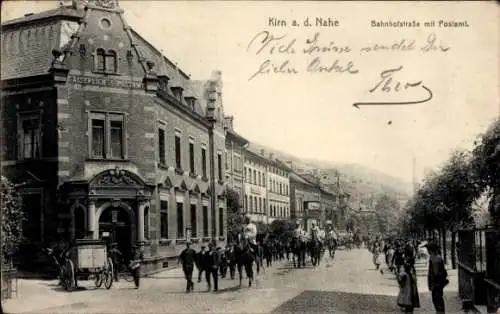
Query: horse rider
x=315 y=232
x=298 y=232
x=250 y=234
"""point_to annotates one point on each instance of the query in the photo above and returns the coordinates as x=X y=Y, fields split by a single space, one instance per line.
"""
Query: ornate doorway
x=117 y=222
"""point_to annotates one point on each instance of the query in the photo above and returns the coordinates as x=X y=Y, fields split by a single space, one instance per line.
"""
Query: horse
x=299 y=249
x=244 y=258
x=315 y=248
x=331 y=243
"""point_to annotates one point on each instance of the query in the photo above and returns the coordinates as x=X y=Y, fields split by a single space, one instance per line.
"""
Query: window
x=227 y=160
x=205 y=221
x=106 y=126
x=221 y=222
x=105 y=61
x=180 y=220
x=204 y=161
x=191 y=157
x=146 y=223
x=178 y=163
x=193 y=220
x=31 y=138
x=246 y=203
x=219 y=165
x=98 y=147
x=110 y=61
x=258 y=180
x=250 y=208
x=254 y=177
x=100 y=66
x=116 y=135
x=161 y=148
x=164 y=219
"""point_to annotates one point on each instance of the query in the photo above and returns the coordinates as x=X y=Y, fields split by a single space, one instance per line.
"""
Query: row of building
x=107 y=137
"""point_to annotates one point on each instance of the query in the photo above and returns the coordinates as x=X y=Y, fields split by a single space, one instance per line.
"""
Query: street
x=349 y=284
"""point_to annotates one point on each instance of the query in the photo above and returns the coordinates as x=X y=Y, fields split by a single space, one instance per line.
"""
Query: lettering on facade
x=313 y=206
x=104 y=81
x=255 y=190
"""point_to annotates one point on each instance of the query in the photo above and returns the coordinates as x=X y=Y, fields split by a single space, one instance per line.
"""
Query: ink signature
x=387 y=84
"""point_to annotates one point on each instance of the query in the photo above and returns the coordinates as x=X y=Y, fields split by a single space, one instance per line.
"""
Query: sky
x=310 y=114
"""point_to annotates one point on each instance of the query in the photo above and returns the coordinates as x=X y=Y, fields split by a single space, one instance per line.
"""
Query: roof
x=233 y=135
x=27 y=42
x=297 y=178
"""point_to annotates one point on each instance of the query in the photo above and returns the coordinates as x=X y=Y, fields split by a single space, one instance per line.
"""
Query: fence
x=478 y=266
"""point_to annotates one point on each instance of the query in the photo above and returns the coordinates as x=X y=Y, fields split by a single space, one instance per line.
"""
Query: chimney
x=229 y=122
x=262 y=152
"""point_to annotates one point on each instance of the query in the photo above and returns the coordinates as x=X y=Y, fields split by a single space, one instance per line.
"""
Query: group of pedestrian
x=400 y=258
x=207 y=261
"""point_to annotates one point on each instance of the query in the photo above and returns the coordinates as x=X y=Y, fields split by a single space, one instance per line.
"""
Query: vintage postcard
x=250 y=156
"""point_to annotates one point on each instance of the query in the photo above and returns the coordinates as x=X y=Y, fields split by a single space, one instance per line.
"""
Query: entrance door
x=116 y=222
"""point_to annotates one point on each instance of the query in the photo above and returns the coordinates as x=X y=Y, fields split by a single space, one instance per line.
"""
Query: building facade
x=107 y=136
x=278 y=190
x=255 y=199
x=305 y=200
x=235 y=145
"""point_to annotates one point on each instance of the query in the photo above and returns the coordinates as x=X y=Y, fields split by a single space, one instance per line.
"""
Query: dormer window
x=163 y=83
x=177 y=91
x=190 y=101
x=105 y=61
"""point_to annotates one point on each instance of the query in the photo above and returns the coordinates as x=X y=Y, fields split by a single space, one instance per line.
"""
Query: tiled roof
x=27 y=42
x=296 y=177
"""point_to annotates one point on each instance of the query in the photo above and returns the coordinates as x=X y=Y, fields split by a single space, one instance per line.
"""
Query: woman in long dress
x=408 y=297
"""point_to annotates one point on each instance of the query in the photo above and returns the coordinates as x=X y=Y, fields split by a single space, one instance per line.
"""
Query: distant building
x=235 y=145
x=255 y=174
x=108 y=135
x=304 y=201
x=278 y=190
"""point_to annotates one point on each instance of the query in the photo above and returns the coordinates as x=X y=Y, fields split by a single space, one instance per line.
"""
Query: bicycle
x=124 y=272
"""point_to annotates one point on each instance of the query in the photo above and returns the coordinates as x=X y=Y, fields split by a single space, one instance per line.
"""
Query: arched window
x=246 y=203
x=110 y=61
x=106 y=61
x=100 y=64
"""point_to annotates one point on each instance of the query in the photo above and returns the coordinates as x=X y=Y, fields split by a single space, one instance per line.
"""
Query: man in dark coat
x=135 y=264
x=437 y=277
x=187 y=259
x=201 y=260
x=213 y=262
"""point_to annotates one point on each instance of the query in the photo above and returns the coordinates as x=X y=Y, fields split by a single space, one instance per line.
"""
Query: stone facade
x=255 y=173
x=278 y=190
x=235 y=146
x=108 y=136
x=305 y=198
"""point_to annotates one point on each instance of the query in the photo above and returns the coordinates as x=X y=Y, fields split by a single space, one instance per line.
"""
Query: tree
x=12 y=218
x=233 y=200
x=386 y=211
x=235 y=218
x=486 y=167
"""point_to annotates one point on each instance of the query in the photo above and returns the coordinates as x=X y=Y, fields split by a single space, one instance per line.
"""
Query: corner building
x=106 y=134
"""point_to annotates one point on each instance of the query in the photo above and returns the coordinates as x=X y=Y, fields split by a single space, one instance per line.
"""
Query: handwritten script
x=285 y=55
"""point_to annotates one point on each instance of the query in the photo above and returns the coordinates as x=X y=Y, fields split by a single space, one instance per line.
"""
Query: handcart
x=88 y=259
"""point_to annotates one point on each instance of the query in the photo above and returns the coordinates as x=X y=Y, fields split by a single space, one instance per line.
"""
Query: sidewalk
x=451 y=298
x=35 y=295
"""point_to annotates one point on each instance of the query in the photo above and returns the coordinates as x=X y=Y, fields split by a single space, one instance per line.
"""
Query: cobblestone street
x=349 y=284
